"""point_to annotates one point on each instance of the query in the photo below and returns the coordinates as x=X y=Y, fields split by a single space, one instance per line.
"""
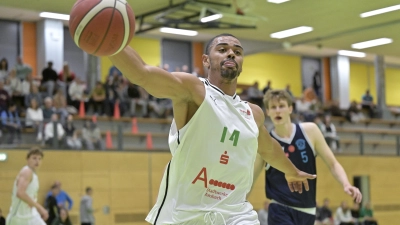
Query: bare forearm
x=28 y=200
x=277 y=158
x=339 y=174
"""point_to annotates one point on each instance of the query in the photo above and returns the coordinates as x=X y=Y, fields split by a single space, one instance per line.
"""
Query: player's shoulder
x=26 y=172
x=258 y=113
x=311 y=129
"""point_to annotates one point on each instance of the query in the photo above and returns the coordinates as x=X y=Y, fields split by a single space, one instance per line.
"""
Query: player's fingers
x=311 y=176
x=300 y=187
x=291 y=186
x=306 y=187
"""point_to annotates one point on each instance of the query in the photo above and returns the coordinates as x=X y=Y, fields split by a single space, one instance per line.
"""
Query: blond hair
x=278 y=94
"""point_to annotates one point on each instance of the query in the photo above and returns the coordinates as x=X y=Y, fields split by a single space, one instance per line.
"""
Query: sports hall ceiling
x=337 y=23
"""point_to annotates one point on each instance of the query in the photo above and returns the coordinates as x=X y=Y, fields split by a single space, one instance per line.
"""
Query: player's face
x=279 y=111
x=34 y=161
x=226 y=57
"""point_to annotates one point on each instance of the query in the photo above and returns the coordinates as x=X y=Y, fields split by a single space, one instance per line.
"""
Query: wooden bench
x=391 y=123
x=125 y=119
x=368 y=131
x=367 y=142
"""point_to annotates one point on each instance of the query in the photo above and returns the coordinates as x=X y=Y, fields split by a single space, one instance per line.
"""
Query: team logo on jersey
x=209 y=184
x=214 y=99
x=301 y=144
x=245 y=113
x=224 y=158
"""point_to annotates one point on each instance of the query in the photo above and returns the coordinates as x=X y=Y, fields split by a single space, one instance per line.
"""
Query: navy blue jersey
x=299 y=151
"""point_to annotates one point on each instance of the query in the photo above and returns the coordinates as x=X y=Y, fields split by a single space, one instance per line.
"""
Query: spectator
x=267 y=87
x=50 y=128
x=367 y=103
x=325 y=214
x=34 y=118
x=63 y=219
x=329 y=131
x=196 y=72
x=62 y=197
x=98 y=97
x=11 y=122
x=255 y=95
x=86 y=208
x=289 y=91
x=121 y=92
x=16 y=89
x=26 y=85
x=34 y=94
x=343 y=215
x=318 y=122
x=49 y=78
x=4 y=97
x=263 y=214
x=111 y=95
x=368 y=215
x=66 y=75
x=76 y=92
x=304 y=109
x=355 y=213
x=353 y=114
x=51 y=204
x=114 y=70
x=92 y=136
x=333 y=109
x=48 y=109
x=71 y=134
x=309 y=95
x=138 y=97
x=317 y=83
x=3 y=69
x=60 y=105
x=185 y=69
x=2 y=219
x=22 y=70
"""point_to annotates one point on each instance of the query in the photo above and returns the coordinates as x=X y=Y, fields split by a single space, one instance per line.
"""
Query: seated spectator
x=66 y=75
x=138 y=97
x=122 y=95
x=343 y=215
x=26 y=85
x=3 y=69
x=333 y=109
x=303 y=108
x=49 y=130
x=23 y=70
x=355 y=213
x=353 y=114
x=367 y=103
x=34 y=94
x=51 y=204
x=48 y=109
x=111 y=95
x=62 y=197
x=325 y=214
x=263 y=214
x=267 y=87
x=97 y=98
x=63 y=218
x=60 y=105
x=16 y=89
x=11 y=123
x=367 y=214
x=328 y=129
x=310 y=95
x=34 y=118
x=318 y=122
x=71 y=134
x=49 y=79
x=91 y=136
x=254 y=95
x=165 y=108
x=76 y=92
x=4 y=97
x=114 y=71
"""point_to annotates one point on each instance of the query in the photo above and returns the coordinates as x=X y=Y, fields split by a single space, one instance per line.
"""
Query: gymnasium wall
x=392 y=84
x=121 y=181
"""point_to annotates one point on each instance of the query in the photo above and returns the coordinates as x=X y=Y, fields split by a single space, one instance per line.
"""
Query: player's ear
x=290 y=108
x=206 y=61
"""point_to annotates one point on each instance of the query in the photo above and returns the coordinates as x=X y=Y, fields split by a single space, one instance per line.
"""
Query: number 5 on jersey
x=234 y=136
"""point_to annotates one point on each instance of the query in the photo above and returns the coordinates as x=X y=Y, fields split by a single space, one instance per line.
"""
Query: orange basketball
x=102 y=27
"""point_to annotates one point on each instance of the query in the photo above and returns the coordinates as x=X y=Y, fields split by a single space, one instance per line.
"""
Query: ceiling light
x=54 y=16
x=291 y=32
x=352 y=53
x=380 y=11
x=211 y=18
x=372 y=43
x=3 y=156
x=277 y=1
x=178 y=31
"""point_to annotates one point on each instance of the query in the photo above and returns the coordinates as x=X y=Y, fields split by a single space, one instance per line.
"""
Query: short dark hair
x=88 y=189
x=278 y=95
x=35 y=151
x=210 y=42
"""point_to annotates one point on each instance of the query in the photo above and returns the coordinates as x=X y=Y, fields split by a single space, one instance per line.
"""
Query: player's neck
x=228 y=87
x=33 y=169
x=284 y=130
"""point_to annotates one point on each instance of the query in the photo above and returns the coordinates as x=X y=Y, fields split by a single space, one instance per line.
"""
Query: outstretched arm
x=327 y=156
x=156 y=81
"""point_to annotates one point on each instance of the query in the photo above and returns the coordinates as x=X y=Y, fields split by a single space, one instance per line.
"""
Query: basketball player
x=301 y=143
x=24 y=208
x=214 y=139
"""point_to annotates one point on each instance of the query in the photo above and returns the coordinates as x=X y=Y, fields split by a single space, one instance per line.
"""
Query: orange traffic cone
x=134 y=126
x=94 y=119
x=82 y=109
x=149 y=141
x=117 y=114
x=109 y=144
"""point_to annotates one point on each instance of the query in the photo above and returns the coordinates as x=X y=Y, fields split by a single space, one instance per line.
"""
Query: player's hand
x=353 y=192
x=296 y=181
x=43 y=213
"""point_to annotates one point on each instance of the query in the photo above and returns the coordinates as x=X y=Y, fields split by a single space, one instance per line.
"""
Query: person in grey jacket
x=86 y=208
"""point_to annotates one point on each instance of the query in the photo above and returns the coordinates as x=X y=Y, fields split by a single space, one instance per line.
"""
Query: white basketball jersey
x=212 y=165
x=18 y=207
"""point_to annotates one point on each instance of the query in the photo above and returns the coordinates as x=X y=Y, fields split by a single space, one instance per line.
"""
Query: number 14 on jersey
x=234 y=136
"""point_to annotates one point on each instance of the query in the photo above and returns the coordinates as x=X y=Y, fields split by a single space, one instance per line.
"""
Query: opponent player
x=301 y=143
x=24 y=208
x=213 y=139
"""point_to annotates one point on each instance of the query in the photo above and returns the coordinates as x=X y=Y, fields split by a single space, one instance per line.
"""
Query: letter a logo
x=204 y=179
